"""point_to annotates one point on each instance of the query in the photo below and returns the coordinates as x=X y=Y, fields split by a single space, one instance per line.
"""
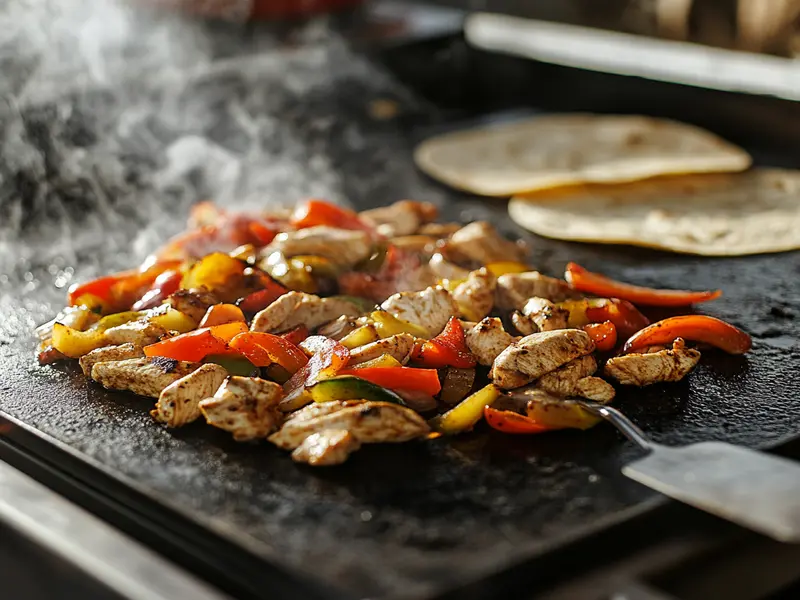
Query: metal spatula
x=747 y=487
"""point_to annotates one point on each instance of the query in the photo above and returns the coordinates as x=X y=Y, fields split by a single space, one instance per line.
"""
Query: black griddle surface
x=395 y=521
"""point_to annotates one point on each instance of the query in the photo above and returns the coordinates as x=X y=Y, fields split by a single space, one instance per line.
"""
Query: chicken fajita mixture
x=322 y=329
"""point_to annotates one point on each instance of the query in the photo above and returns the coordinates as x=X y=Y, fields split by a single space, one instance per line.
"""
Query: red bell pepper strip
x=697 y=328
x=165 y=285
x=261 y=234
x=596 y=284
x=196 y=345
x=448 y=349
x=252 y=303
x=328 y=360
x=296 y=335
x=604 y=335
x=400 y=378
x=101 y=287
x=263 y=349
x=510 y=422
x=319 y=212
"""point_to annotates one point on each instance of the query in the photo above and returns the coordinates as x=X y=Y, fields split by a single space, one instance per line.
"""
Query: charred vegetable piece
x=504 y=268
x=173 y=320
x=252 y=303
x=556 y=413
x=217 y=273
x=263 y=349
x=220 y=314
x=328 y=359
x=73 y=343
x=277 y=373
x=466 y=413
x=117 y=319
x=388 y=325
x=196 y=345
x=384 y=360
x=318 y=212
x=164 y=285
x=457 y=384
x=401 y=378
x=234 y=365
x=508 y=421
x=604 y=335
x=625 y=316
x=584 y=280
x=296 y=335
x=697 y=328
x=360 y=337
x=448 y=349
x=349 y=387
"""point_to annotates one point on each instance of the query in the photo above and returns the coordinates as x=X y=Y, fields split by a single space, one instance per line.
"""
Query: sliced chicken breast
x=109 y=354
x=178 y=404
x=654 y=367
x=244 y=406
x=480 y=242
x=192 y=303
x=398 y=346
x=326 y=448
x=343 y=246
x=515 y=289
x=431 y=308
x=143 y=376
x=475 y=296
x=140 y=333
x=487 y=339
x=540 y=314
x=401 y=218
x=562 y=381
x=298 y=308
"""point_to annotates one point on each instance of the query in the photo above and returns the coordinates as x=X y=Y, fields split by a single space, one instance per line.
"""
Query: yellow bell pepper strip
x=508 y=421
x=448 y=349
x=604 y=335
x=349 y=387
x=263 y=349
x=400 y=378
x=196 y=345
x=466 y=413
x=219 y=314
x=388 y=325
x=327 y=361
x=73 y=343
x=360 y=337
x=504 y=268
x=172 y=320
x=697 y=328
x=560 y=414
x=384 y=360
x=319 y=212
x=584 y=280
x=625 y=316
x=218 y=273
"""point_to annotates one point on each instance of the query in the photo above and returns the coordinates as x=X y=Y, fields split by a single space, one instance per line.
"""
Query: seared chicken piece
x=418 y=244
x=431 y=308
x=343 y=246
x=439 y=230
x=475 y=296
x=539 y=314
x=441 y=268
x=192 y=303
x=326 y=448
x=109 y=354
x=141 y=333
x=398 y=346
x=178 y=403
x=515 y=289
x=367 y=422
x=655 y=367
x=480 y=242
x=574 y=379
x=143 y=376
x=244 y=406
x=298 y=308
x=400 y=218
x=538 y=354
x=338 y=329
x=487 y=339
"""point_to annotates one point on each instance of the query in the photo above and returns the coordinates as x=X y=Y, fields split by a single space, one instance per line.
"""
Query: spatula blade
x=753 y=489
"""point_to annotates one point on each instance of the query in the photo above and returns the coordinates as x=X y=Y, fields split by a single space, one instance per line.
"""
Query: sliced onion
x=457 y=385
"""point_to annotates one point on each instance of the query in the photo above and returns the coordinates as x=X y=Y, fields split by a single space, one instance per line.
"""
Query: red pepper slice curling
x=510 y=422
x=697 y=328
x=319 y=212
x=400 y=378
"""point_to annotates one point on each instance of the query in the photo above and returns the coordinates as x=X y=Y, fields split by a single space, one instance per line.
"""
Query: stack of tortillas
x=624 y=180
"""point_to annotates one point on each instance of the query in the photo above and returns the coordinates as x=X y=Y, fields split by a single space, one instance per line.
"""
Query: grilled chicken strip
x=487 y=339
x=244 y=406
x=141 y=333
x=192 y=303
x=439 y=230
x=178 y=403
x=538 y=354
x=475 y=296
x=143 y=376
x=326 y=448
x=343 y=246
x=480 y=242
x=431 y=308
x=367 y=422
x=540 y=314
x=298 y=308
x=654 y=367
x=418 y=244
x=401 y=218
x=443 y=269
x=109 y=354
x=515 y=289
x=398 y=346
x=574 y=379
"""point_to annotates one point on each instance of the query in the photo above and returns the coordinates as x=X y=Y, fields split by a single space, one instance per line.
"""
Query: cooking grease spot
x=168 y=365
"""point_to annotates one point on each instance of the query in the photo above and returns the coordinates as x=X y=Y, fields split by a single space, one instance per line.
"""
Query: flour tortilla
x=557 y=150
x=711 y=215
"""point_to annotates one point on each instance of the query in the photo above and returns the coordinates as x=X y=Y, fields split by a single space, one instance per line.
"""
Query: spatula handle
x=620 y=421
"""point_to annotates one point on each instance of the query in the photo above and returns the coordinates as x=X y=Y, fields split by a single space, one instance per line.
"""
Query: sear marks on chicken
x=326 y=448
x=143 y=376
x=298 y=308
x=398 y=346
x=540 y=314
x=140 y=333
x=594 y=388
x=401 y=218
x=480 y=242
x=430 y=309
x=245 y=407
x=109 y=354
x=538 y=354
x=178 y=403
x=515 y=289
x=487 y=339
x=654 y=367
x=367 y=422
x=192 y=303
x=475 y=296
x=343 y=246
